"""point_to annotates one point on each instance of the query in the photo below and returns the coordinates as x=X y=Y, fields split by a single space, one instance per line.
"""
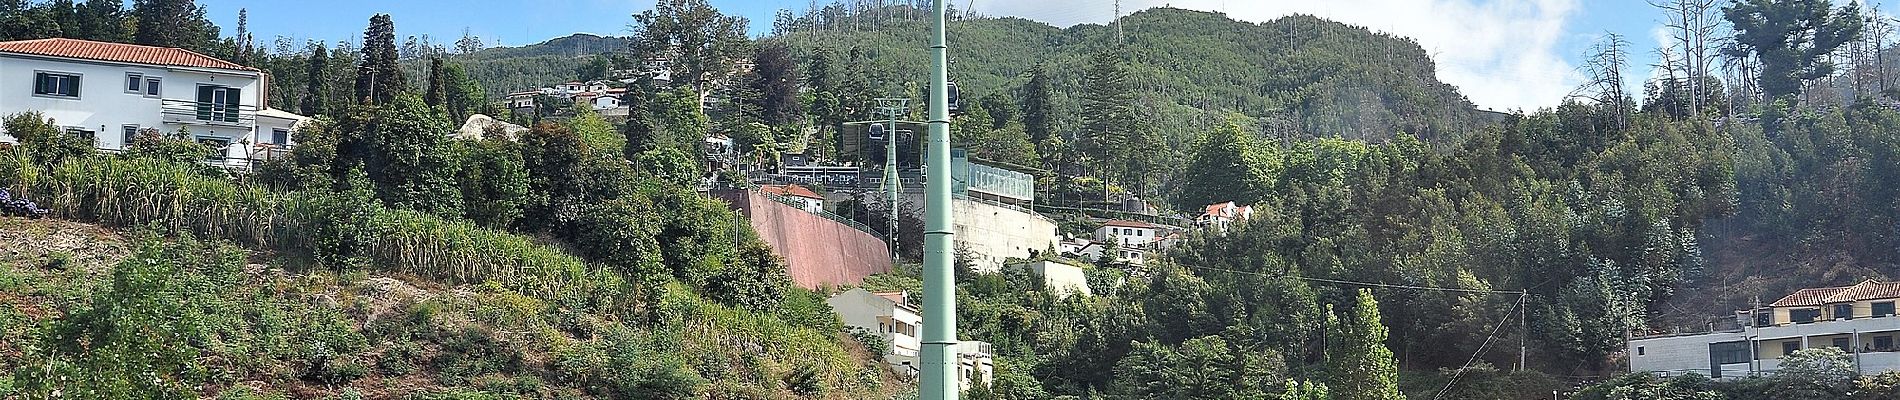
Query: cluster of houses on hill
x=602 y=95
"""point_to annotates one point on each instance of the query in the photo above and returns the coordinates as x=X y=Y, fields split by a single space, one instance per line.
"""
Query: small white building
x=571 y=87
x=888 y=314
x=804 y=197
x=108 y=92
x=522 y=100
x=606 y=102
x=1221 y=215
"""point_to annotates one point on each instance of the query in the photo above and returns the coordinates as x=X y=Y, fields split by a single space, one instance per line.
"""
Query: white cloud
x=1503 y=54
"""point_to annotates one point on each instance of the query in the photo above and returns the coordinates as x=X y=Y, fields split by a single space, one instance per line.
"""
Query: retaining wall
x=817 y=250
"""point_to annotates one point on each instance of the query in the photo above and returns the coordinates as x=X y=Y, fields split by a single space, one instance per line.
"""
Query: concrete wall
x=817 y=250
x=990 y=233
x=1061 y=278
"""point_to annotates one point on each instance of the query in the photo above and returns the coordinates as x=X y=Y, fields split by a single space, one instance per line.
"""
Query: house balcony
x=188 y=112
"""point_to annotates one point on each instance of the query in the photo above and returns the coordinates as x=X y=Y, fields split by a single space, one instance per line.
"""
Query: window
x=1764 y=317
x=131 y=132
x=151 y=86
x=217 y=103
x=56 y=84
x=1843 y=311
x=1883 y=309
x=1841 y=343
x=1803 y=315
x=279 y=136
x=1789 y=347
x=1883 y=343
x=1639 y=350
x=134 y=82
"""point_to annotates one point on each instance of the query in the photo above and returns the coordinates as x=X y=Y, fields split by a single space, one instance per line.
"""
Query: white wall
x=992 y=233
x=105 y=107
x=1061 y=278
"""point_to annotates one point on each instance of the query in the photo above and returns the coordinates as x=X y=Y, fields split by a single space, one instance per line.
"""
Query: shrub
x=43 y=140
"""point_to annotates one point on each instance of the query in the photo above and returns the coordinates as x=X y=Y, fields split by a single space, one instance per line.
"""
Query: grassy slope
x=384 y=336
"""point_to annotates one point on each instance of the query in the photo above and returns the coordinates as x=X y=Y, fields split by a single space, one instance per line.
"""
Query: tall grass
x=143 y=193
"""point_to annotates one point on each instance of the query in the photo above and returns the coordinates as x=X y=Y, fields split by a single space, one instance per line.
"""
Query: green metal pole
x=939 y=381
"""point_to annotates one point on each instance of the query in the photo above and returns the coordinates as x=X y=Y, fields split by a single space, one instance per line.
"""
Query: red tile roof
x=119 y=52
x=790 y=190
x=1130 y=224
x=1867 y=290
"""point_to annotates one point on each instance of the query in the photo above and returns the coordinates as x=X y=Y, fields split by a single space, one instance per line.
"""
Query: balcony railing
x=181 y=111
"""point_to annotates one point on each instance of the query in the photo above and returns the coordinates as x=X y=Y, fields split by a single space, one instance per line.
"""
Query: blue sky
x=1503 y=54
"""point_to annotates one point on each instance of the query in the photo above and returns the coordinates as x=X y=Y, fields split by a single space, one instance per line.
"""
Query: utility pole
x=1118 y=22
x=939 y=380
x=893 y=185
x=1523 y=329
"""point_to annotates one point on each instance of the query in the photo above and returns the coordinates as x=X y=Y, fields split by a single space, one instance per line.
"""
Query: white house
x=521 y=100
x=1220 y=215
x=606 y=102
x=109 y=91
x=888 y=314
x=571 y=87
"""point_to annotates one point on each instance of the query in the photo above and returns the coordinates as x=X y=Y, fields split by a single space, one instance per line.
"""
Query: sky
x=1502 y=54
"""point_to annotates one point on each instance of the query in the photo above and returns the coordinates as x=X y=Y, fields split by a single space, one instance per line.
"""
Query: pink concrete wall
x=817 y=250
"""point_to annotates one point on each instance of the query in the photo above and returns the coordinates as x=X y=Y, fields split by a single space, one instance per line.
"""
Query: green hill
x=1319 y=77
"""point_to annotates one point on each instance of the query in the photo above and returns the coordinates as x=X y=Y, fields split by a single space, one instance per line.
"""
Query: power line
x=1481 y=347
x=1360 y=283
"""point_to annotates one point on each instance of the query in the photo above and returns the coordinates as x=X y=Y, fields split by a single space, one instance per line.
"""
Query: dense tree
x=1036 y=107
x=776 y=83
x=172 y=23
x=1791 y=39
x=317 y=89
x=665 y=119
x=1110 y=116
x=700 y=43
x=1226 y=165
x=378 y=76
x=403 y=147
x=1359 y=364
x=438 y=84
x=494 y=181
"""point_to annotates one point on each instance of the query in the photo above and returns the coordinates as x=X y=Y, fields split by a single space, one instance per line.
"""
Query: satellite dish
x=877 y=132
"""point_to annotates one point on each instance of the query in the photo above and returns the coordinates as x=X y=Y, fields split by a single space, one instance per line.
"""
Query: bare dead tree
x=1605 y=68
x=1692 y=24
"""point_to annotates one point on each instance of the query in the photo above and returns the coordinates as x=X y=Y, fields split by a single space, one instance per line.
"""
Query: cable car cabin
x=876 y=132
x=956 y=106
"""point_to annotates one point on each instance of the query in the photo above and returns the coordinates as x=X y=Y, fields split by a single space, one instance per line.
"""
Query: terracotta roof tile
x=1130 y=224
x=1866 y=290
x=791 y=190
x=119 y=52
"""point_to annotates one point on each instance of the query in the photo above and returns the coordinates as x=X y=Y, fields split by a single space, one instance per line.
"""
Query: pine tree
x=1360 y=365
x=438 y=85
x=1036 y=108
x=1110 y=117
x=317 y=81
x=378 y=76
x=244 y=43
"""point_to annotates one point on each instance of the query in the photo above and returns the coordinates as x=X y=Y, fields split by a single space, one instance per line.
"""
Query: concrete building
x=888 y=314
x=1060 y=277
x=109 y=92
x=1858 y=319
